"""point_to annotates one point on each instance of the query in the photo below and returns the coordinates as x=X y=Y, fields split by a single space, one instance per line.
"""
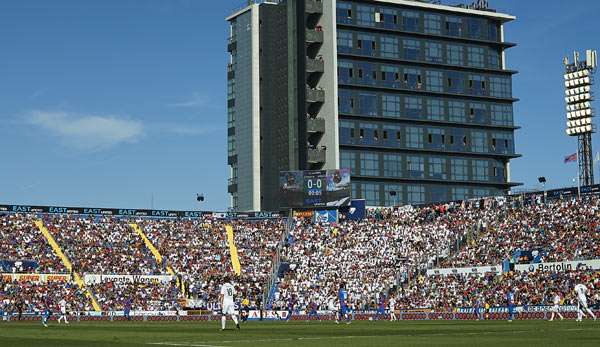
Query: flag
x=570 y=158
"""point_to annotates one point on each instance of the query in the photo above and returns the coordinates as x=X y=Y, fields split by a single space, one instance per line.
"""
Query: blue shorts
x=343 y=309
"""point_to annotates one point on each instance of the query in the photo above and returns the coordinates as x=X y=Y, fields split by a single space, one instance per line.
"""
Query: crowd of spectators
x=394 y=244
x=116 y=296
x=31 y=297
x=445 y=293
x=199 y=253
x=102 y=245
x=390 y=249
x=556 y=231
x=23 y=248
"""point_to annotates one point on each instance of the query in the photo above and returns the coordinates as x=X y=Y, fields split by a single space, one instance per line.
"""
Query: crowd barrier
x=401 y=316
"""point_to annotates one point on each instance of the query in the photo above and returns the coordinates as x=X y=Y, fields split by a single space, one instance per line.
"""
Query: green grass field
x=207 y=334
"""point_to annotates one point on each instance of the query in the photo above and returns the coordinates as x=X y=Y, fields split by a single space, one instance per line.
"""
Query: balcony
x=231 y=44
x=315 y=65
x=315 y=95
x=314 y=36
x=232 y=185
x=230 y=71
x=315 y=125
x=314 y=6
x=316 y=155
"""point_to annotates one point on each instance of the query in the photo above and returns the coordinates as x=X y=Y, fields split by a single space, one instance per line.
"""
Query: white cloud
x=87 y=132
x=196 y=100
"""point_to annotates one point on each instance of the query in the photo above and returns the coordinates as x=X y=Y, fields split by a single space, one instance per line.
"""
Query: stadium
x=332 y=235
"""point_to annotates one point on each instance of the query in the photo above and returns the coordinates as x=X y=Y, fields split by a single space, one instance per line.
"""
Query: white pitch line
x=181 y=344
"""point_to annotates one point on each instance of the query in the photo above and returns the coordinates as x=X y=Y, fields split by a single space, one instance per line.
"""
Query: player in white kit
x=556 y=307
x=63 y=311
x=392 y=305
x=227 y=304
x=581 y=290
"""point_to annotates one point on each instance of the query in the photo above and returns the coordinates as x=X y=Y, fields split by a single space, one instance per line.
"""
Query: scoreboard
x=317 y=188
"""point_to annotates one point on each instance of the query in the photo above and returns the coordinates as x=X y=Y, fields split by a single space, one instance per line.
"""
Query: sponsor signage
x=304 y=214
x=563 y=266
x=122 y=212
x=478 y=270
x=152 y=279
x=326 y=216
x=36 y=278
x=518 y=309
x=267 y=315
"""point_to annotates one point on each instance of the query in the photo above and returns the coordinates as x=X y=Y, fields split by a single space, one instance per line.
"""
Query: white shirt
x=581 y=291
x=392 y=303
x=556 y=299
x=228 y=291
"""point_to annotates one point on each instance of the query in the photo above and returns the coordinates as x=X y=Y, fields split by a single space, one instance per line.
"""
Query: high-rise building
x=414 y=97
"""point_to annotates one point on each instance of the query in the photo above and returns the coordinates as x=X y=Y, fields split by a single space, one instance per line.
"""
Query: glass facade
x=427 y=114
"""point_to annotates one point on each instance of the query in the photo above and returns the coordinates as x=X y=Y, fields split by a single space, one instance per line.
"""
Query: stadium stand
x=387 y=254
x=23 y=248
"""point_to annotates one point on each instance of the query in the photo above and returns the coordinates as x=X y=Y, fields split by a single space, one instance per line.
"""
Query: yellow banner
x=235 y=260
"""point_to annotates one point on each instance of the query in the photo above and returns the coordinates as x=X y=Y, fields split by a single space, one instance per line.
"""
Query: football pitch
x=359 y=333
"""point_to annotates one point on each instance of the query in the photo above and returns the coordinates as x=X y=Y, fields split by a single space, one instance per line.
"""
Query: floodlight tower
x=579 y=96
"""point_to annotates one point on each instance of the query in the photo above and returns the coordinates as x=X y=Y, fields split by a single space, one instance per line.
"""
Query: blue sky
x=111 y=103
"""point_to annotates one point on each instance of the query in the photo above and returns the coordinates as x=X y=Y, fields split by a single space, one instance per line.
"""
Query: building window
x=478 y=112
x=500 y=87
x=435 y=109
x=481 y=170
x=413 y=106
x=481 y=193
x=437 y=168
x=460 y=194
x=393 y=194
x=433 y=24
x=346 y=102
x=494 y=59
x=392 y=165
x=344 y=12
x=415 y=166
x=369 y=164
x=344 y=41
x=433 y=52
x=230 y=118
x=365 y=15
x=456 y=111
x=475 y=26
x=502 y=114
x=459 y=169
x=391 y=105
x=370 y=192
x=348 y=160
x=454 y=25
x=475 y=56
x=435 y=81
x=414 y=137
x=410 y=20
x=412 y=49
x=412 y=78
x=454 y=55
x=367 y=104
x=366 y=44
x=389 y=47
x=230 y=145
x=415 y=194
x=231 y=89
x=479 y=142
x=477 y=85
